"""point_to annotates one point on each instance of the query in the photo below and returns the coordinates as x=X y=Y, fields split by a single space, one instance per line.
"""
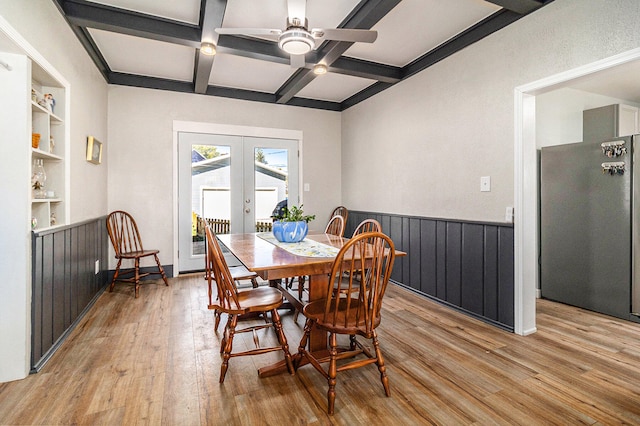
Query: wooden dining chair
x=367 y=225
x=235 y=303
x=341 y=211
x=354 y=313
x=125 y=238
x=335 y=226
x=238 y=273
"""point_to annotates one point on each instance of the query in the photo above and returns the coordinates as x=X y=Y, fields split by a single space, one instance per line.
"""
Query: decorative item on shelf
x=53 y=219
x=292 y=225
x=35 y=140
x=50 y=102
x=38 y=179
x=94 y=150
x=34 y=223
x=52 y=144
x=37 y=97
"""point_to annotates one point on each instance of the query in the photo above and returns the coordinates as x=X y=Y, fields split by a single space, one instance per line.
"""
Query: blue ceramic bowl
x=290 y=232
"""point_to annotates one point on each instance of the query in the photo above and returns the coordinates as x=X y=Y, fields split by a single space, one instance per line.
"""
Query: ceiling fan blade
x=297 y=9
x=343 y=34
x=297 y=61
x=249 y=31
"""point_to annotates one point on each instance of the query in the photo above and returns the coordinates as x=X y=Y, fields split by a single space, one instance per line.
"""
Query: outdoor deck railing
x=221 y=226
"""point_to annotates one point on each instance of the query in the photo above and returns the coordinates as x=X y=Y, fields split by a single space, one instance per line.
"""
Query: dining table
x=275 y=261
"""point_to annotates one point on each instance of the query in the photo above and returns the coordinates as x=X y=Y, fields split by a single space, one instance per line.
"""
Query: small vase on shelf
x=38 y=179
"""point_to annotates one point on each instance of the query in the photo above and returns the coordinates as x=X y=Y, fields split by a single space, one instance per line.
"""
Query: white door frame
x=222 y=129
x=526 y=183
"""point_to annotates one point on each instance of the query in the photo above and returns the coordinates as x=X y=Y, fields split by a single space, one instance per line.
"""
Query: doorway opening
x=526 y=247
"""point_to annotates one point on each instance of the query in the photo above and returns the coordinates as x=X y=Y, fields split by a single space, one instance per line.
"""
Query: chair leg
x=254 y=283
x=217 y=314
x=164 y=276
x=275 y=318
x=332 y=373
x=224 y=334
x=228 y=346
x=115 y=275
x=352 y=342
x=137 y=276
x=301 y=281
x=303 y=343
x=380 y=363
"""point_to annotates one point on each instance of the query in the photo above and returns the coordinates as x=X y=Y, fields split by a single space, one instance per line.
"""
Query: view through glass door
x=233 y=183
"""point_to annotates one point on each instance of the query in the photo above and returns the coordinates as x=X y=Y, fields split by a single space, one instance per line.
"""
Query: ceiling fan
x=297 y=39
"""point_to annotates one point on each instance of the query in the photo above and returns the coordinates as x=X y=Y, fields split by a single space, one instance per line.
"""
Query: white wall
x=438 y=132
x=559 y=114
x=140 y=153
x=42 y=25
x=41 y=29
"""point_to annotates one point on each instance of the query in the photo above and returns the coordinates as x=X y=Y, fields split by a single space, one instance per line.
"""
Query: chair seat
x=315 y=311
x=240 y=272
x=142 y=253
x=260 y=299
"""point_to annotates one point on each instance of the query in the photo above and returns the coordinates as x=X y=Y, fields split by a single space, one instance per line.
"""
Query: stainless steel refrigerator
x=589 y=224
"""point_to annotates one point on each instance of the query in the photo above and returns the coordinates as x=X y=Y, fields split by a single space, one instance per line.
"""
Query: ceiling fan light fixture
x=208 y=49
x=296 y=41
x=320 y=69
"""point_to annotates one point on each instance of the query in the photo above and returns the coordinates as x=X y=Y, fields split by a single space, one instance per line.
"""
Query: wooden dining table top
x=271 y=262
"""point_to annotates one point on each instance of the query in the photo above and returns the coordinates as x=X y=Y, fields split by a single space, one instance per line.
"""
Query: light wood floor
x=155 y=360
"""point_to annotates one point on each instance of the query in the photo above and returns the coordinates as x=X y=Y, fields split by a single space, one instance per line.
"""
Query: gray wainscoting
x=466 y=265
x=64 y=282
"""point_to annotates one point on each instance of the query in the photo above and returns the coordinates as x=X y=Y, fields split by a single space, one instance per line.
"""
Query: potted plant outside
x=292 y=225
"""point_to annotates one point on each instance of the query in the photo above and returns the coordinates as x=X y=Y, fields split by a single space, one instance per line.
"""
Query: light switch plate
x=306 y=187
x=485 y=183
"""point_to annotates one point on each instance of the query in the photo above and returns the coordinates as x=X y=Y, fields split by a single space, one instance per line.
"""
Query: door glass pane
x=271 y=183
x=210 y=192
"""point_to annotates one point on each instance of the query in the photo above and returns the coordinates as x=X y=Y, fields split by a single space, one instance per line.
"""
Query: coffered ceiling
x=156 y=44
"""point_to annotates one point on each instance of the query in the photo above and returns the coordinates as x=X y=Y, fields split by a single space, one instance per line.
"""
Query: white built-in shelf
x=46 y=200
x=38 y=153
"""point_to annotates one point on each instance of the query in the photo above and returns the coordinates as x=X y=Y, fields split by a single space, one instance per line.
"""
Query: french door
x=231 y=182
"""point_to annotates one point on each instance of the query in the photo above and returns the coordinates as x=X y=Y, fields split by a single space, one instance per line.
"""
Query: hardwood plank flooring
x=156 y=360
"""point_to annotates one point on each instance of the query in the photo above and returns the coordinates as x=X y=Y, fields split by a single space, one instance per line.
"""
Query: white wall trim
x=222 y=129
x=525 y=185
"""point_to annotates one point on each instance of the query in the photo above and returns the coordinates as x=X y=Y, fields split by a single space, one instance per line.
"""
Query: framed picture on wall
x=94 y=150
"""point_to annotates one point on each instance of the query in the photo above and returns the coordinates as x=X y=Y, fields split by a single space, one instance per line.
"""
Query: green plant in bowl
x=292 y=225
x=295 y=214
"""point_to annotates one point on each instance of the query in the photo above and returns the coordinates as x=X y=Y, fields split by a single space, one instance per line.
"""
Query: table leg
x=318 y=285
x=318 y=290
